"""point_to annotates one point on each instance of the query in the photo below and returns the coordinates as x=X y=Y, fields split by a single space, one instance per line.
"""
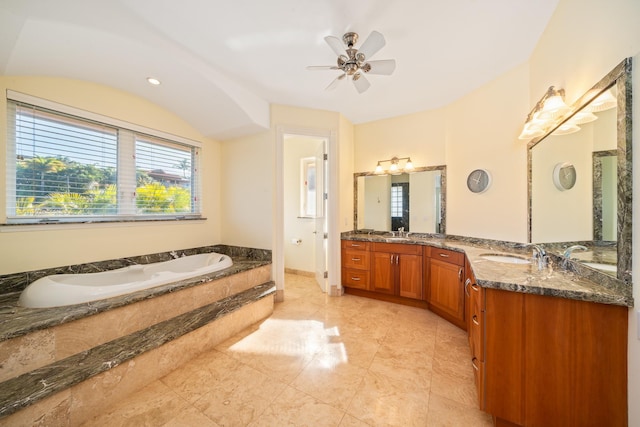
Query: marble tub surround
x=26 y=389
x=562 y=278
x=17 y=321
x=16 y=282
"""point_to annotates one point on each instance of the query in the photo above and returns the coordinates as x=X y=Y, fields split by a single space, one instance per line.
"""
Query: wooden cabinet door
x=410 y=276
x=548 y=361
x=600 y=364
x=504 y=355
x=446 y=290
x=383 y=272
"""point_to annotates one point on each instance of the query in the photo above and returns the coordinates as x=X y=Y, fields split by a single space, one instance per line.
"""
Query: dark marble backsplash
x=17 y=282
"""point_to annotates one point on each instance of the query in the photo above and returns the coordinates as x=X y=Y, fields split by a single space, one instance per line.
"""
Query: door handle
x=460 y=274
x=474 y=319
x=473 y=363
x=466 y=287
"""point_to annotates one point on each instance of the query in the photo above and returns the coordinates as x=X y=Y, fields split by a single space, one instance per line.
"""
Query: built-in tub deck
x=243 y=284
x=17 y=321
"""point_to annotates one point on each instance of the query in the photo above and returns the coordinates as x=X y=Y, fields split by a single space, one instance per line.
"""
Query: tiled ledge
x=36 y=385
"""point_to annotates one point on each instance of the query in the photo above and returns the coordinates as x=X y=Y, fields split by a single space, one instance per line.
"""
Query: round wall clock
x=479 y=181
x=564 y=176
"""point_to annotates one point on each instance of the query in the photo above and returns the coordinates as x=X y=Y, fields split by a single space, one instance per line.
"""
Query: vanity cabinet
x=396 y=269
x=356 y=259
x=444 y=288
x=551 y=361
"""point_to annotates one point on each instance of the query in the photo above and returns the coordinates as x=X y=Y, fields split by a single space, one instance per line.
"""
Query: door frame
x=333 y=231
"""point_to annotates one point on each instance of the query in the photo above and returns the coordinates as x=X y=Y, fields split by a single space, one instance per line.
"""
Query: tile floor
x=319 y=361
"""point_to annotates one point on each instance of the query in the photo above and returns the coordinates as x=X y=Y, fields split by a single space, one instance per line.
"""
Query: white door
x=321 y=217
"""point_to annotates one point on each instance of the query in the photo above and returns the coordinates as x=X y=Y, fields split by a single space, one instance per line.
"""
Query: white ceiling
x=222 y=63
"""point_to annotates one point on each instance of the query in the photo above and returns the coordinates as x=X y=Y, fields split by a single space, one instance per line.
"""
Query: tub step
x=26 y=389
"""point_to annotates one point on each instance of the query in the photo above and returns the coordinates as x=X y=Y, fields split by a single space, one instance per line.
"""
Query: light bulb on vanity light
x=408 y=167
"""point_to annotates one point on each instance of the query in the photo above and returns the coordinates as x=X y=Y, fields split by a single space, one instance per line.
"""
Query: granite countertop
x=562 y=278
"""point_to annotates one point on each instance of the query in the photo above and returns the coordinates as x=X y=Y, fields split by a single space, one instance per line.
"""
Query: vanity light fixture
x=394 y=167
x=550 y=107
x=603 y=102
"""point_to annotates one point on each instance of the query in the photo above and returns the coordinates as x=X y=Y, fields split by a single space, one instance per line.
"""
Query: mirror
x=580 y=183
x=415 y=201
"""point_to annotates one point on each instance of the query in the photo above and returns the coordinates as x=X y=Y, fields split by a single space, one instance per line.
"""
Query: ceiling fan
x=355 y=63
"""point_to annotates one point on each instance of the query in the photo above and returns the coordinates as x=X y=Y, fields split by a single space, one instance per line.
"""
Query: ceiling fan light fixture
x=353 y=63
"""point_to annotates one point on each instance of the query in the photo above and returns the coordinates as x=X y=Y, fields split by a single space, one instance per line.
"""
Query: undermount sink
x=602 y=267
x=505 y=258
x=396 y=239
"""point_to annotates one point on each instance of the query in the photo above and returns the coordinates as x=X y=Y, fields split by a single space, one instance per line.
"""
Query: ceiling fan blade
x=335 y=82
x=322 y=67
x=335 y=44
x=372 y=44
x=361 y=83
x=383 y=66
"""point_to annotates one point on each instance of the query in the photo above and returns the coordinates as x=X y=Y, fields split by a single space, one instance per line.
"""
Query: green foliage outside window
x=59 y=186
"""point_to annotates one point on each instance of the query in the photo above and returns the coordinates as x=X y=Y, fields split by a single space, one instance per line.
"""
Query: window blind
x=62 y=165
x=67 y=168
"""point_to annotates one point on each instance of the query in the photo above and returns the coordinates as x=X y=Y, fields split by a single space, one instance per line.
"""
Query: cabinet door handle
x=443 y=255
x=460 y=274
x=475 y=287
x=473 y=363
x=466 y=287
x=355 y=259
x=474 y=319
x=354 y=245
x=355 y=279
x=397 y=259
x=391 y=259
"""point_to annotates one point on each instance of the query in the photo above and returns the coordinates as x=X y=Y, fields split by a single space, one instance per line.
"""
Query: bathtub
x=68 y=289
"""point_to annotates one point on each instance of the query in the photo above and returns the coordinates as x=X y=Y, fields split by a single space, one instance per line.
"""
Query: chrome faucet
x=570 y=249
x=540 y=256
x=401 y=232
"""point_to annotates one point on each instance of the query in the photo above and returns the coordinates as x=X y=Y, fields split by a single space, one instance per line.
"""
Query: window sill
x=17 y=227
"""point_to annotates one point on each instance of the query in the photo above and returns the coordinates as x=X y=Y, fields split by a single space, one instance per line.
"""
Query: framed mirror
x=580 y=182
x=414 y=201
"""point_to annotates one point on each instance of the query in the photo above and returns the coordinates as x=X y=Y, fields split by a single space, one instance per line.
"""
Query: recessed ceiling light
x=153 y=81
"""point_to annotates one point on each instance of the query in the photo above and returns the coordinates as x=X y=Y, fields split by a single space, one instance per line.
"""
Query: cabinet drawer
x=355 y=259
x=476 y=338
x=397 y=248
x=478 y=375
x=476 y=295
x=356 y=245
x=358 y=279
x=447 y=256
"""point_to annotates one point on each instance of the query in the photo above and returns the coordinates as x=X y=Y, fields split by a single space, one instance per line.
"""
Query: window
x=308 y=187
x=396 y=201
x=64 y=167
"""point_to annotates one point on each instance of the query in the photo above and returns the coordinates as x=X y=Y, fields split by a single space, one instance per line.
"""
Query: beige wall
x=248 y=196
x=50 y=246
x=477 y=131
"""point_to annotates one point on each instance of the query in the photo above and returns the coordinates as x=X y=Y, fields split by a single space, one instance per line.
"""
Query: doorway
x=304 y=171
